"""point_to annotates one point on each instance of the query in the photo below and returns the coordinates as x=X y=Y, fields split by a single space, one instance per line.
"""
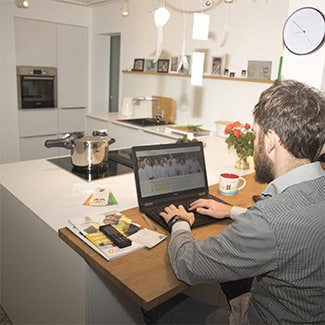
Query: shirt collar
x=298 y=175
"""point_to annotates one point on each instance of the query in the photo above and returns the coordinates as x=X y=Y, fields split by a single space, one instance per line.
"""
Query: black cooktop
x=119 y=162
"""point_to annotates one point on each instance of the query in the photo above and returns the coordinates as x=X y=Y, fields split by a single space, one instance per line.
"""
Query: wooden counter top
x=146 y=275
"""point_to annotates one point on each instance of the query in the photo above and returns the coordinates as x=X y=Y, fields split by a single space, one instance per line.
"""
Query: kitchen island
x=42 y=279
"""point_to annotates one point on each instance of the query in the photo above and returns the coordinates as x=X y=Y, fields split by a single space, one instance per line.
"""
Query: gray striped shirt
x=280 y=241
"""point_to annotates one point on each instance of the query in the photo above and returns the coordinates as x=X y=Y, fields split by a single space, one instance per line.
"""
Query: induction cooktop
x=119 y=162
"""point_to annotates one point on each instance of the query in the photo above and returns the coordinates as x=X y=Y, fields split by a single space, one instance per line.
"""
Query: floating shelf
x=163 y=74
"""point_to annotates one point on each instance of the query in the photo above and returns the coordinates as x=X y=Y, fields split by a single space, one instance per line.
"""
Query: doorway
x=114 y=76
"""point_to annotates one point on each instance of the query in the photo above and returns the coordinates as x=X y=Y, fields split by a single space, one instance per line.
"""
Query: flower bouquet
x=241 y=137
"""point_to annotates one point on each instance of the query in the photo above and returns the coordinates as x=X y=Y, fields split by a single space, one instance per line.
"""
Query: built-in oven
x=37 y=87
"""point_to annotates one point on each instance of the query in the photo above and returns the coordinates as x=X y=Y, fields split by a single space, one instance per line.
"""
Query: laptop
x=173 y=173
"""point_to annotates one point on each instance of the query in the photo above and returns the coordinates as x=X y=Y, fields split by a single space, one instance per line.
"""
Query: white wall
x=255 y=34
x=45 y=10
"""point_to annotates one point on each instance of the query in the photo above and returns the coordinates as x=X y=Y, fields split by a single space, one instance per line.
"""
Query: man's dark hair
x=296 y=112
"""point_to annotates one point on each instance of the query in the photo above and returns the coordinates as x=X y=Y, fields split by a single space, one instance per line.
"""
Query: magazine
x=87 y=229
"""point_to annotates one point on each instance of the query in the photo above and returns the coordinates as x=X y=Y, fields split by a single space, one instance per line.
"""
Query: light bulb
x=161 y=16
x=125 y=8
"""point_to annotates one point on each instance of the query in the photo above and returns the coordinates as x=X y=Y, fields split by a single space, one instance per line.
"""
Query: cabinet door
x=93 y=124
x=72 y=53
x=71 y=120
x=125 y=136
x=36 y=122
x=34 y=148
x=35 y=42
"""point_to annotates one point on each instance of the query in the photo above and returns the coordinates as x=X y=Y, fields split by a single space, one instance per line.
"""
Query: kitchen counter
x=42 y=279
x=55 y=195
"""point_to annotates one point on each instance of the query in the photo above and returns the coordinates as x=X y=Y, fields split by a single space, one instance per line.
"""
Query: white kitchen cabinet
x=152 y=138
x=55 y=45
x=93 y=124
x=125 y=136
x=34 y=148
x=72 y=59
x=35 y=43
x=71 y=120
x=128 y=136
x=36 y=122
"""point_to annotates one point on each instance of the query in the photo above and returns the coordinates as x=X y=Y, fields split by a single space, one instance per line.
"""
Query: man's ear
x=271 y=140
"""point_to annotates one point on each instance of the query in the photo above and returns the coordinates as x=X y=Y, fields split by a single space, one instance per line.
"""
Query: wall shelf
x=204 y=76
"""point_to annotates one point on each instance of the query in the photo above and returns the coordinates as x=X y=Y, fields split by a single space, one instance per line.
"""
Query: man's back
x=294 y=291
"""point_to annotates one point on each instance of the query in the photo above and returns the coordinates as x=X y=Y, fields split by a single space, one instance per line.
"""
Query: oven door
x=36 y=92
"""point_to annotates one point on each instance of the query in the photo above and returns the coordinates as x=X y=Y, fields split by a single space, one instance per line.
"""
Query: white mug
x=229 y=184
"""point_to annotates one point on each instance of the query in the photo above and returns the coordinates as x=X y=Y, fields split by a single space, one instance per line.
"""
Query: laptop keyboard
x=155 y=210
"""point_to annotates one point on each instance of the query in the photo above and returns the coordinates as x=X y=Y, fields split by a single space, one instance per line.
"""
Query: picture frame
x=218 y=65
x=173 y=64
x=150 y=65
x=182 y=69
x=163 y=65
x=259 y=69
x=138 y=65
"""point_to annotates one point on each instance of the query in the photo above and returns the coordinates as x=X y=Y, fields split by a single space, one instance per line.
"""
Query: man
x=280 y=240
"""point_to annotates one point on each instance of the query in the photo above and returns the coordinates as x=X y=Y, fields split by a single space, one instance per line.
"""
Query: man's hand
x=211 y=208
x=172 y=210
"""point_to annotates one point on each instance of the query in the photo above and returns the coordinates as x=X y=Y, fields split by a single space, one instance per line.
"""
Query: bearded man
x=280 y=241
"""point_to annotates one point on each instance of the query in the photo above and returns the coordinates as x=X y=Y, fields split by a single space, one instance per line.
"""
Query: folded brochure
x=87 y=229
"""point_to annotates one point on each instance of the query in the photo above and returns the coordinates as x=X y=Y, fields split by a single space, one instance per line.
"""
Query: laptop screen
x=169 y=170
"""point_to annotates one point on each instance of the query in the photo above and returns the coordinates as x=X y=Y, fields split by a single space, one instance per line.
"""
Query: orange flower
x=241 y=138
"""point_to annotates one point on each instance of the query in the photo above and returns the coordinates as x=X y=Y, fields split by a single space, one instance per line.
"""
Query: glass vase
x=242 y=163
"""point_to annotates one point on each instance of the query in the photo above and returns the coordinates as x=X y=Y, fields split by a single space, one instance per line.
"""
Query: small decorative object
x=184 y=64
x=163 y=65
x=138 y=65
x=232 y=74
x=259 y=69
x=173 y=64
x=243 y=73
x=150 y=65
x=218 y=65
x=241 y=137
x=226 y=72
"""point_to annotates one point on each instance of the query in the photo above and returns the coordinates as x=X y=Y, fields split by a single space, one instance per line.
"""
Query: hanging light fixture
x=161 y=17
x=125 y=8
x=22 y=4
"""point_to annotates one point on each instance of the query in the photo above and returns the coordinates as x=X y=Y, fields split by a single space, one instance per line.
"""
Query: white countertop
x=55 y=195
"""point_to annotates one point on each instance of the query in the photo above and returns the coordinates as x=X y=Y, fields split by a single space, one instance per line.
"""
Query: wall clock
x=304 y=31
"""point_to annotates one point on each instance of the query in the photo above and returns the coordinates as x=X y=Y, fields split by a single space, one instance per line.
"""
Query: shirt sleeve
x=244 y=249
x=236 y=211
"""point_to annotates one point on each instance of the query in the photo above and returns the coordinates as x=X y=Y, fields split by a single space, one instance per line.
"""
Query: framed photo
x=138 y=65
x=259 y=69
x=163 y=65
x=173 y=64
x=183 y=69
x=150 y=65
x=218 y=65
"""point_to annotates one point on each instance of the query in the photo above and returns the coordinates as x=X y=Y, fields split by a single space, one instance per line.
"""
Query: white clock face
x=304 y=31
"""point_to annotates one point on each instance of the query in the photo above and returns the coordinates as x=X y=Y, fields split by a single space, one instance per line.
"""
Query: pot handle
x=111 y=141
x=64 y=142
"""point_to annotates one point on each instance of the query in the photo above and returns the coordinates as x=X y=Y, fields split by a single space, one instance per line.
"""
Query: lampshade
x=125 y=8
x=161 y=16
x=22 y=3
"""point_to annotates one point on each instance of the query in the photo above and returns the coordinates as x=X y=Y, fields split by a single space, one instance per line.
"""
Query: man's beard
x=263 y=164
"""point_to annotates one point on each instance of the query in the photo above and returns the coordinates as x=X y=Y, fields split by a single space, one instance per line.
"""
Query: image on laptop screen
x=169 y=169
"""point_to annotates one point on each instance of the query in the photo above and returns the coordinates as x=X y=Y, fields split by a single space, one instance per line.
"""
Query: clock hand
x=299 y=26
x=302 y=31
